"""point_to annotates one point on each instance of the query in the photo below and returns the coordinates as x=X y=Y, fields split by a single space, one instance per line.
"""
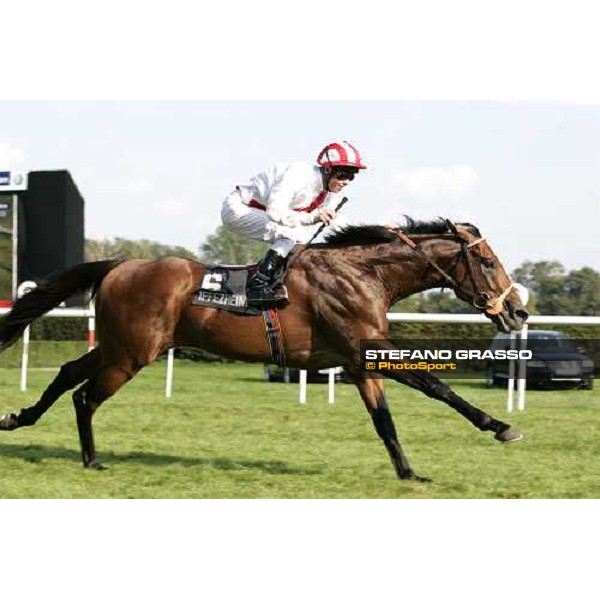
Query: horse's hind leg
x=87 y=399
x=70 y=375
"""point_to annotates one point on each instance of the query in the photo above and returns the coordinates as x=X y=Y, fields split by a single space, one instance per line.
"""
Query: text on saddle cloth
x=224 y=286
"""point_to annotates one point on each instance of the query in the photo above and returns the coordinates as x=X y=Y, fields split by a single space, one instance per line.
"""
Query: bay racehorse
x=339 y=291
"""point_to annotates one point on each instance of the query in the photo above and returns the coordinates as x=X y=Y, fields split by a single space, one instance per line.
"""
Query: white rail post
x=25 y=359
x=522 y=381
x=302 y=391
x=24 y=288
x=511 y=374
x=92 y=327
x=169 y=385
x=331 y=386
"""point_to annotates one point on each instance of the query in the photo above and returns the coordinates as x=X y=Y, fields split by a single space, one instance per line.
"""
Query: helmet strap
x=326 y=173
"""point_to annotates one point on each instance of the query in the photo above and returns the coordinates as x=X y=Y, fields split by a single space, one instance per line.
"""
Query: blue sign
x=13 y=181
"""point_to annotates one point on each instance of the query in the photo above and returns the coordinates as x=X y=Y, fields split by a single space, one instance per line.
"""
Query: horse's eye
x=487 y=262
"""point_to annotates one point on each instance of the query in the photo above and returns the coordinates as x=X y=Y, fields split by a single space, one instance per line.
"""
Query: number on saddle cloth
x=224 y=286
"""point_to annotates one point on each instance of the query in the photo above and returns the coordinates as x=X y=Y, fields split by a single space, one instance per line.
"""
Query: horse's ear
x=451 y=226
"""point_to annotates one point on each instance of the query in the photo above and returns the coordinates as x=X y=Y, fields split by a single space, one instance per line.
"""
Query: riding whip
x=312 y=239
x=342 y=202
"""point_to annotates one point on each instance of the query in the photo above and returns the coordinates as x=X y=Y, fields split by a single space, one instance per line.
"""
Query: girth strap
x=274 y=336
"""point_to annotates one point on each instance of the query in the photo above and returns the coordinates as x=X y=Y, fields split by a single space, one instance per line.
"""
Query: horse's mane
x=436 y=226
x=354 y=235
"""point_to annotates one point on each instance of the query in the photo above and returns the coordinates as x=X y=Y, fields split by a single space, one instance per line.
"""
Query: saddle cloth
x=224 y=286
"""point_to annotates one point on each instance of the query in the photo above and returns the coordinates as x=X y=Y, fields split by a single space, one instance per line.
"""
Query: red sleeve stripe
x=314 y=204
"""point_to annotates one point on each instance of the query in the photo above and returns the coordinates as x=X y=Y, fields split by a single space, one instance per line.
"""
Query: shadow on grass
x=37 y=453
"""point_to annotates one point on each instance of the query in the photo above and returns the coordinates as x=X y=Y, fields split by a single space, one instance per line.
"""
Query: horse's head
x=456 y=257
x=481 y=280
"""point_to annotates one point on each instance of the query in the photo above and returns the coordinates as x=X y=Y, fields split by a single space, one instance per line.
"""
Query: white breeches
x=255 y=223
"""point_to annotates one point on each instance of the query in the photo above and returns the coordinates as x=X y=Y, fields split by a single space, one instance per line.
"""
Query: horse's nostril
x=522 y=314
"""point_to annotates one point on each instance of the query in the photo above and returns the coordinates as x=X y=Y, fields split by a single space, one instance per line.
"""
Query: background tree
x=225 y=246
x=583 y=290
x=436 y=301
x=555 y=292
x=408 y=305
x=433 y=301
x=123 y=248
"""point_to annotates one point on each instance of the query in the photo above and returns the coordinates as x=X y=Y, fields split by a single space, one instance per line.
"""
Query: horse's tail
x=49 y=294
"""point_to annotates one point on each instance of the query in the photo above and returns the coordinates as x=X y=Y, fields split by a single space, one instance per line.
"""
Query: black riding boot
x=262 y=283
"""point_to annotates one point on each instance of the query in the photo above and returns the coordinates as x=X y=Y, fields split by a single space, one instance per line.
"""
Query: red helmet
x=340 y=154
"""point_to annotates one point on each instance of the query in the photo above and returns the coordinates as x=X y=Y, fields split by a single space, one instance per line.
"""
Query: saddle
x=224 y=287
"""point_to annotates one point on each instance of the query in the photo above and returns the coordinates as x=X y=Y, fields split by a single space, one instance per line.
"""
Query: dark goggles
x=344 y=174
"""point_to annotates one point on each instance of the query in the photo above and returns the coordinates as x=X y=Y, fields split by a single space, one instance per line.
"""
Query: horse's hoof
x=411 y=476
x=510 y=435
x=96 y=466
x=9 y=422
x=422 y=479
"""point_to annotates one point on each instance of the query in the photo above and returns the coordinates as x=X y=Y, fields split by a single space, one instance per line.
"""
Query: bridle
x=481 y=300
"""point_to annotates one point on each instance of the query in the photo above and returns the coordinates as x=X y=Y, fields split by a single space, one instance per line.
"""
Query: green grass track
x=226 y=433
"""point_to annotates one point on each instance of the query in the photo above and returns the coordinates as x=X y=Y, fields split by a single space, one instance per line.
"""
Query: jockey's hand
x=326 y=215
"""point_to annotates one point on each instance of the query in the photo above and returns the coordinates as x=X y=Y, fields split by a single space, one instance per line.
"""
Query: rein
x=481 y=300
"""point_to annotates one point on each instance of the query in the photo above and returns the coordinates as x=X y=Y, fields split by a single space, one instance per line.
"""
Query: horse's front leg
x=434 y=388
x=371 y=391
x=431 y=386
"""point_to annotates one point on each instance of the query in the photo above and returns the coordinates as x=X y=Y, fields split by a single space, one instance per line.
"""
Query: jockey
x=280 y=203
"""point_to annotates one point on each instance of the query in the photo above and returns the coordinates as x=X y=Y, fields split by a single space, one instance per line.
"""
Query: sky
x=526 y=173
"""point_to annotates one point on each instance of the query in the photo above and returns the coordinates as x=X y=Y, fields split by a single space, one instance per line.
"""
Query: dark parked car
x=556 y=360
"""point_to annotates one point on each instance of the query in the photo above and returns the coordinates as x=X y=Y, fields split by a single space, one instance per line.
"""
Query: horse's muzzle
x=522 y=314
x=512 y=316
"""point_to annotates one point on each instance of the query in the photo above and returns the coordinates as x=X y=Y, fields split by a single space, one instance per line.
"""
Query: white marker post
x=522 y=380
x=25 y=288
x=92 y=327
x=25 y=359
x=169 y=386
x=331 y=373
x=331 y=385
x=302 y=392
x=522 y=376
x=511 y=374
